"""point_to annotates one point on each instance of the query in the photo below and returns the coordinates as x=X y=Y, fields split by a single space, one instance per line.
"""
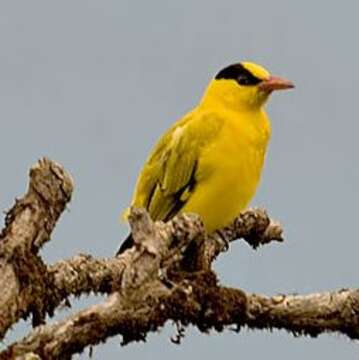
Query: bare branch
x=28 y=225
x=84 y=274
x=165 y=276
x=312 y=314
x=31 y=287
x=195 y=299
x=253 y=226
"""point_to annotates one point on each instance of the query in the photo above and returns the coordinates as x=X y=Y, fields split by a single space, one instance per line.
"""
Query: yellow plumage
x=210 y=161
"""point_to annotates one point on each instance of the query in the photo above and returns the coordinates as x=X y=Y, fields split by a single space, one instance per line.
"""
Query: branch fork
x=166 y=275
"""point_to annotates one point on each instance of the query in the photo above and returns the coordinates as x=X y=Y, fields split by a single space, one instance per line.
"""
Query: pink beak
x=275 y=83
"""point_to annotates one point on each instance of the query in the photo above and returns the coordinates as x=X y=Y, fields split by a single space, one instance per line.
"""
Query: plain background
x=92 y=84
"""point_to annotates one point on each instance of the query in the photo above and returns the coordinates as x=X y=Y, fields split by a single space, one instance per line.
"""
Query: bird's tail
x=127 y=244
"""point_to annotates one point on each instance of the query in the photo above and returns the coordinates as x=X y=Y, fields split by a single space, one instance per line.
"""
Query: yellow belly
x=229 y=173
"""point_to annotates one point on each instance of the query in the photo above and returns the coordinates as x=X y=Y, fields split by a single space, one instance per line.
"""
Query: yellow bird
x=210 y=161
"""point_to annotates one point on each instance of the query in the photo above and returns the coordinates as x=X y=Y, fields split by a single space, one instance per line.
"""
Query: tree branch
x=165 y=276
x=30 y=287
x=28 y=225
x=196 y=299
x=313 y=314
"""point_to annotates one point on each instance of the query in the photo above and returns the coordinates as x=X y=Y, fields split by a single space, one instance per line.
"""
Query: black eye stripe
x=238 y=73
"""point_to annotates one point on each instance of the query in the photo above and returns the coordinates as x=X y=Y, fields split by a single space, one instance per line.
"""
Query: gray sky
x=92 y=84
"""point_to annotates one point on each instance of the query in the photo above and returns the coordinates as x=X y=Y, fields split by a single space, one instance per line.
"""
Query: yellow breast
x=230 y=169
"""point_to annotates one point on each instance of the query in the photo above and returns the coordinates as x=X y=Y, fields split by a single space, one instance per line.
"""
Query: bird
x=210 y=161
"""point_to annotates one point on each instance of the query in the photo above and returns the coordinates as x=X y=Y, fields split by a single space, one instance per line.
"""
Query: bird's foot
x=222 y=237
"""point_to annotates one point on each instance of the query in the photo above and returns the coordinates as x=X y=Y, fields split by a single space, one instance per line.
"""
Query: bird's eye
x=243 y=80
x=247 y=80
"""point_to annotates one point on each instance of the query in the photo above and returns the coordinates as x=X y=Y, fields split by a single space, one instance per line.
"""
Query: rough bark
x=166 y=276
x=196 y=299
x=24 y=279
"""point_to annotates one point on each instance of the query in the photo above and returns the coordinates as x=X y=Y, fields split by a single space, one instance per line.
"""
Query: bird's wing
x=169 y=175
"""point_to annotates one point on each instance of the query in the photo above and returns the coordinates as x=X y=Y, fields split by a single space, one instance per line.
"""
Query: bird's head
x=244 y=85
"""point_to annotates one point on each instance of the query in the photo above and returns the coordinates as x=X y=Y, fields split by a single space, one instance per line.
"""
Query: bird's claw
x=223 y=239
